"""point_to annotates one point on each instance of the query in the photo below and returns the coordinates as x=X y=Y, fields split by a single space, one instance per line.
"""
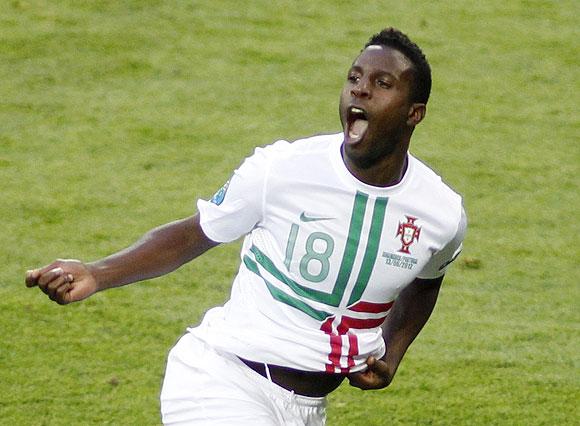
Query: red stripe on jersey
x=342 y=327
x=336 y=349
x=336 y=341
x=348 y=322
x=335 y=346
x=371 y=308
x=327 y=325
x=352 y=350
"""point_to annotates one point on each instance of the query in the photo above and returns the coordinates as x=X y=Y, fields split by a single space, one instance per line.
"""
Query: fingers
x=33 y=275
x=376 y=376
x=56 y=284
x=47 y=277
x=57 y=288
x=39 y=277
x=378 y=366
x=52 y=280
x=63 y=281
x=62 y=294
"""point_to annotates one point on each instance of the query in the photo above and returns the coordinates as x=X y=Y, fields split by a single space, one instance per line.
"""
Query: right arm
x=157 y=253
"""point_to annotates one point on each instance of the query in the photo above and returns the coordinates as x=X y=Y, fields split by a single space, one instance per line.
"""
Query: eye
x=353 y=78
x=385 y=84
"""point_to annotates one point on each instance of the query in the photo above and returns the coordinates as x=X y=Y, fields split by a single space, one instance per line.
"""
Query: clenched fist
x=63 y=281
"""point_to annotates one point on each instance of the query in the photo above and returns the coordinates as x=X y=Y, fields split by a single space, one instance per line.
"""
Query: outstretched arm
x=409 y=314
x=158 y=252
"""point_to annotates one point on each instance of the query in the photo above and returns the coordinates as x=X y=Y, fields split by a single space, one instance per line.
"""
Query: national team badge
x=409 y=233
x=219 y=196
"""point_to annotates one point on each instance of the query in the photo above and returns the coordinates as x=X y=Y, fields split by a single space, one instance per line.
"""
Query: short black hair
x=391 y=37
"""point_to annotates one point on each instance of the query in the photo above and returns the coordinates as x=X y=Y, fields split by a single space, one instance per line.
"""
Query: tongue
x=358 y=128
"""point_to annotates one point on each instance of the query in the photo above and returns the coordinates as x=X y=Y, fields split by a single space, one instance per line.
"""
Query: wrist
x=99 y=273
x=392 y=360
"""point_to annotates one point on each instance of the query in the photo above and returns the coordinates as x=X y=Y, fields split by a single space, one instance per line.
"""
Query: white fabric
x=324 y=254
x=206 y=387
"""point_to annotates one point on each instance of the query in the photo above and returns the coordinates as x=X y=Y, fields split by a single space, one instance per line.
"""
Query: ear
x=416 y=114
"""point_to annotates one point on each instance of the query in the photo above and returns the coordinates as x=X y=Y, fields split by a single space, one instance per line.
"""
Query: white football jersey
x=324 y=255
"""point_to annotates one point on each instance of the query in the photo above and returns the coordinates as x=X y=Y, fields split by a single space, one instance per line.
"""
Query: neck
x=388 y=171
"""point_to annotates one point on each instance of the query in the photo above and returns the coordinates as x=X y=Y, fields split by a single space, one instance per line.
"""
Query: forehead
x=383 y=58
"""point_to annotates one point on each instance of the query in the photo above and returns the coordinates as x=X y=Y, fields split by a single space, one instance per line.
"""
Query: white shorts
x=203 y=386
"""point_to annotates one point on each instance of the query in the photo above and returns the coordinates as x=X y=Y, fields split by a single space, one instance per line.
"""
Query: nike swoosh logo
x=305 y=218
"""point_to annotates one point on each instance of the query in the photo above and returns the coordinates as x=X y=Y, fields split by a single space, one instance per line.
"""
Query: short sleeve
x=437 y=265
x=237 y=207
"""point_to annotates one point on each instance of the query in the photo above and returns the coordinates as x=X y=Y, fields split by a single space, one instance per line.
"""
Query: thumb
x=372 y=364
x=31 y=277
x=375 y=364
x=378 y=366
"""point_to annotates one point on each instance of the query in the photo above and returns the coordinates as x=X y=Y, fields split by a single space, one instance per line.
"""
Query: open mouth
x=357 y=124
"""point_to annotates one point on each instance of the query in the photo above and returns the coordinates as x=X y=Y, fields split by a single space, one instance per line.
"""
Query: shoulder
x=283 y=149
x=318 y=142
x=441 y=201
x=433 y=186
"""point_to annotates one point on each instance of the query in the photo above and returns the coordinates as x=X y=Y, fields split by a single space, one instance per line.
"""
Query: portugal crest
x=409 y=233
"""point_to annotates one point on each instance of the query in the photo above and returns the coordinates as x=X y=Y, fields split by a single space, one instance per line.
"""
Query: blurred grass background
x=116 y=116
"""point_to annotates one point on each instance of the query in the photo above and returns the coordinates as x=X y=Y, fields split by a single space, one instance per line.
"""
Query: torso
x=321 y=269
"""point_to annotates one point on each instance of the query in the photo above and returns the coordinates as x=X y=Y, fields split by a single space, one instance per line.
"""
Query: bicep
x=410 y=312
x=182 y=239
x=427 y=284
x=423 y=290
x=418 y=298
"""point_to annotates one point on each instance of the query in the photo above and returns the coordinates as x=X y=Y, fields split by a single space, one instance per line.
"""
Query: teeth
x=357 y=110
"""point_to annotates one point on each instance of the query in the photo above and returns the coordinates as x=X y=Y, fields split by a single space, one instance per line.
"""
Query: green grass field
x=115 y=116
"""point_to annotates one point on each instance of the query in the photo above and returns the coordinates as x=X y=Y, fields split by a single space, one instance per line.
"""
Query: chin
x=358 y=156
x=362 y=157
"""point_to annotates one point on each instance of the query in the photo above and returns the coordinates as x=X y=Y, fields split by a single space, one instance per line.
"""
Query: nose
x=361 y=89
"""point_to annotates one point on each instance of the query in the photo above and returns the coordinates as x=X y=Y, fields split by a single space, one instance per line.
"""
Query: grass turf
x=116 y=116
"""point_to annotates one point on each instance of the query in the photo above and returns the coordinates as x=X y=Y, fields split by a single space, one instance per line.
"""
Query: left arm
x=409 y=314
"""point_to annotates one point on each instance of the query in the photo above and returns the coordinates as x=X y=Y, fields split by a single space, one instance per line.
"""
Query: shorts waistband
x=261 y=376
x=303 y=383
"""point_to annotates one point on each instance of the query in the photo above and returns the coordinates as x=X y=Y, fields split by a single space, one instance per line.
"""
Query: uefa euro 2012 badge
x=219 y=196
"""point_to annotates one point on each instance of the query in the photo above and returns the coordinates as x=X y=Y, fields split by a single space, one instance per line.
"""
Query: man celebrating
x=347 y=239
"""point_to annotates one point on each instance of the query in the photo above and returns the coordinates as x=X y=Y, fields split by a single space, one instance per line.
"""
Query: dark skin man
x=378 y=118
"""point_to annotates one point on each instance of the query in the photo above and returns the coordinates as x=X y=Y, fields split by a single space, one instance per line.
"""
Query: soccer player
x=347 y=239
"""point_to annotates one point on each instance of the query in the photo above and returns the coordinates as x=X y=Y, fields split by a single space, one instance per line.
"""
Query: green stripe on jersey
x=268 y=265
x=285 y=298
x=352 y=241
x=371 y=250
x=351 y=247
x=334 y=298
